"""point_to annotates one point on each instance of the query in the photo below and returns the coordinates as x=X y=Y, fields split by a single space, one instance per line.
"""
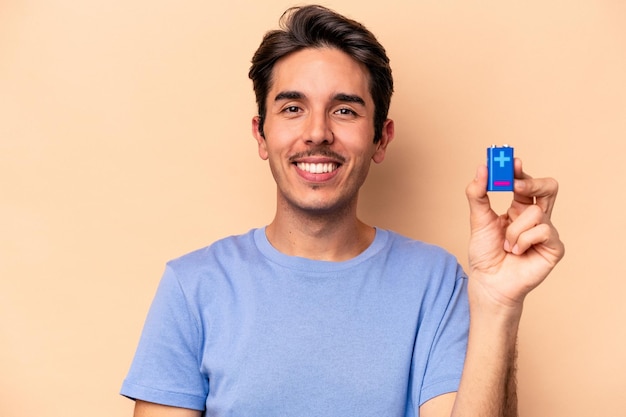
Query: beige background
x=125 y=141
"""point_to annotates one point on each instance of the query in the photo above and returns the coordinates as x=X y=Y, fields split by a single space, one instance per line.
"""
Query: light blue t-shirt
x=240 y=329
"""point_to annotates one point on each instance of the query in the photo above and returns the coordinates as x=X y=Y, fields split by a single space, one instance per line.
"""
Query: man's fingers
x=542 y=190
x=532 y=228
x=521 y=175
x=527 y=220
x=529 y=190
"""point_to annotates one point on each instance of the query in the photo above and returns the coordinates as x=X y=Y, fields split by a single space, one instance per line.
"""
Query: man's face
x=319 y=130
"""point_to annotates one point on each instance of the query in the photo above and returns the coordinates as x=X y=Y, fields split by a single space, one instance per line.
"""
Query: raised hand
x=512 y=253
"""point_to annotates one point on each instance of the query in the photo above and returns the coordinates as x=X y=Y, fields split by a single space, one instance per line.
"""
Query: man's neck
x=320 y=237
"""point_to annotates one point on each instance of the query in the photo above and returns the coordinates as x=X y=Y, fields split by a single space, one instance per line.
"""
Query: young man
x=319 y=314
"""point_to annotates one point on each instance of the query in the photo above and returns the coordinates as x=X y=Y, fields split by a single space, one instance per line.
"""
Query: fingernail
x=507 y=246
x=516 y=250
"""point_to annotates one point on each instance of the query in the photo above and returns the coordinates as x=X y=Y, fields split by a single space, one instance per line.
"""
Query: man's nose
x=319 y=130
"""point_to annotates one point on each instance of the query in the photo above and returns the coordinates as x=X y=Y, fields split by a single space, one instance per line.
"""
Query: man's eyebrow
x=288 y=95
x=350 y=98
x=343 y=97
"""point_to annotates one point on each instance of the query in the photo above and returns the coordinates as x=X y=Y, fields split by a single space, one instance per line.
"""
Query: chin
x=323 y=207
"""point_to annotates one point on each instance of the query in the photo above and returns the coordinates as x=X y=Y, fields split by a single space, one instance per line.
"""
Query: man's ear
x=260 y=138
x=386 y=137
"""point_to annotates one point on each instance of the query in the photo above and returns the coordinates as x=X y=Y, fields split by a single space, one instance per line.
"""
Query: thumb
x=476 y=192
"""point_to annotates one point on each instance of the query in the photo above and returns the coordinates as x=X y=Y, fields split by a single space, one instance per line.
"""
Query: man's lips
x=320 y=162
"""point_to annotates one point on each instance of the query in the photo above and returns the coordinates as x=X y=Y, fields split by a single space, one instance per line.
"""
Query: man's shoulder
x=223 y=249
x=416 y=255
x=405 y=244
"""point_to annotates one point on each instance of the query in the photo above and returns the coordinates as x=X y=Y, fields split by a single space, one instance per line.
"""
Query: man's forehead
x=334 y=77
x=320 y=70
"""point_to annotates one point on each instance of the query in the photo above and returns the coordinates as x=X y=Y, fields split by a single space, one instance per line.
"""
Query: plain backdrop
x=125 y=141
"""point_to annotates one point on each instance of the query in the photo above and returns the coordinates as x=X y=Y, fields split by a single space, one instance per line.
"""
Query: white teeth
x=317 y=168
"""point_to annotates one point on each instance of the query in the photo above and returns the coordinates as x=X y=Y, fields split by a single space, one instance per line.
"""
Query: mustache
x=318 y=152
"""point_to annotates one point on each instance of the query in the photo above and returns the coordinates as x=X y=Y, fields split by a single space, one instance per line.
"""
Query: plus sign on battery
x=502 y=159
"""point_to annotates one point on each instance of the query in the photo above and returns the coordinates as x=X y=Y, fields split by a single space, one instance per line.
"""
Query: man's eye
x=291 y=109
x=346 y=112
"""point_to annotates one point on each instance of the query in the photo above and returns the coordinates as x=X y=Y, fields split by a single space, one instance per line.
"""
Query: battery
x=500 y=166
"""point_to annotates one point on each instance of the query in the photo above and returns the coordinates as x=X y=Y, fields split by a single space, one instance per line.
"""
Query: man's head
x=316 y=27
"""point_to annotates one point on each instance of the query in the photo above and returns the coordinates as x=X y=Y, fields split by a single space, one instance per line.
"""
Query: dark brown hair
x=315 y=27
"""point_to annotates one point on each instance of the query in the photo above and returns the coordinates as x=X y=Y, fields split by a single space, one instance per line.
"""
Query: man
x=319 y=314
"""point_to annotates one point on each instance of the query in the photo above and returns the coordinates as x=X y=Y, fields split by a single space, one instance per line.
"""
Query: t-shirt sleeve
x=444 y=365
x=166 y=367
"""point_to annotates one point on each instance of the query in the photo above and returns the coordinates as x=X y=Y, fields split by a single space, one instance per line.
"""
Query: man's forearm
x=510 y=398
x=488 y=385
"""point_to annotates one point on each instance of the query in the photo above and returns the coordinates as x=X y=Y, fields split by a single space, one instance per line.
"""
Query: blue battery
x=500 y=165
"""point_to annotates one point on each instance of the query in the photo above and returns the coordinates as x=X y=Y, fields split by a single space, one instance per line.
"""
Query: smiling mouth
x=317 y=168
x=320 y=161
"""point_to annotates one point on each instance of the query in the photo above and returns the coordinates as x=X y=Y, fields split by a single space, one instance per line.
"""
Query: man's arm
x=146 y=409
x=488 y=384
x=509 y=256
